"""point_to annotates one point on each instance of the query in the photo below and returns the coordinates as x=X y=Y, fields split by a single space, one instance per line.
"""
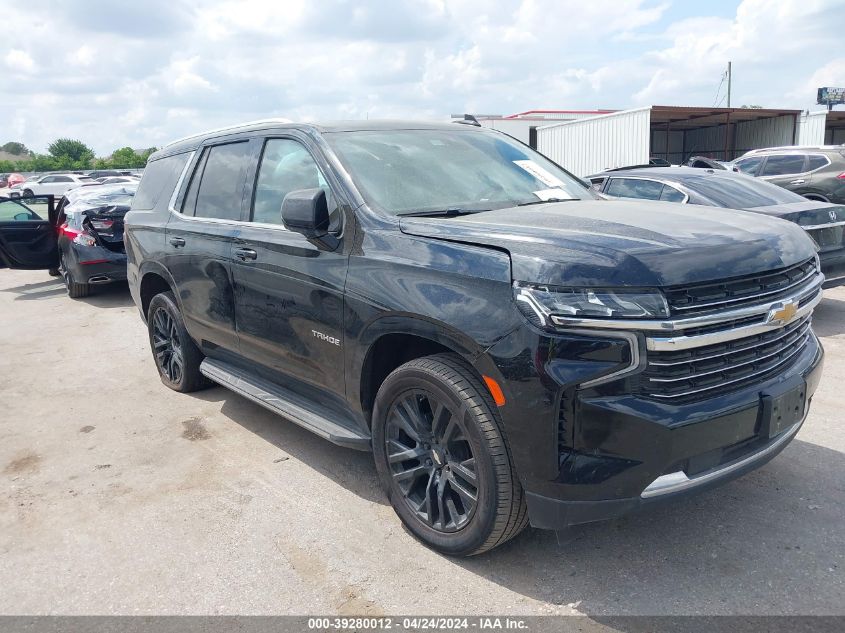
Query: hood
x=805 y=212
x=625 y=242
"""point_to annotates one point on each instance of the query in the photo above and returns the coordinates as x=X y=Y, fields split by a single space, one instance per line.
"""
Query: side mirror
x=306 y=211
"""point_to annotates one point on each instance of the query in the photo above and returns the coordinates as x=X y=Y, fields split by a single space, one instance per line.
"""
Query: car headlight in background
x=539 y=302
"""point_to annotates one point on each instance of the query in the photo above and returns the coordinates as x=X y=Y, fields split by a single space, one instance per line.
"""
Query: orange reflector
x=495 y=391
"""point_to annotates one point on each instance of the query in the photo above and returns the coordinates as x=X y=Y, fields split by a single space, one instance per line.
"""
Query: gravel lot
x=120 y=496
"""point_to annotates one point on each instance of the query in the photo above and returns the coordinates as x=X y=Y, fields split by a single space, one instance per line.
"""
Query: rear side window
x=782 y=165
x=816 y=161
x=159 y=179
x=221 y=184
x=634 y=188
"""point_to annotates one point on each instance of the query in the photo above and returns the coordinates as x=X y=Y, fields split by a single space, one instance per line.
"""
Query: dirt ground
x=120 y=496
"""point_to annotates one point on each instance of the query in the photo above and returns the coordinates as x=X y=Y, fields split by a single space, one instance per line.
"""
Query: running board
x=284 y=402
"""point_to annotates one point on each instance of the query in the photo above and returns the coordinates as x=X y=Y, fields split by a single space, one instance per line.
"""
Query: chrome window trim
x=171 y=205
x=679 y=481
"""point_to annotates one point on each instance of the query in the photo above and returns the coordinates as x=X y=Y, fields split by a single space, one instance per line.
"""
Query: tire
x=74 y=290
x=27 y=193
x=54 y=272
x=178 y=358
x=431 y=489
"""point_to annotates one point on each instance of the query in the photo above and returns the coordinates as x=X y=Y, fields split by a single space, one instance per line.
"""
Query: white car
x=56 y=184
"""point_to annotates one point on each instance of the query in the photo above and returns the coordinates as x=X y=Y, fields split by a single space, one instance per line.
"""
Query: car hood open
x=625 y=242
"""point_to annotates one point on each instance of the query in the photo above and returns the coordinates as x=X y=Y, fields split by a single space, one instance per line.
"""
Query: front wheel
x=176 y=355
x=443 y=459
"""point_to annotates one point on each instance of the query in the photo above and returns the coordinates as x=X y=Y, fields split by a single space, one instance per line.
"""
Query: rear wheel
x=443 y=459
x=27 y=193
x=74 y=290
x=176 y=355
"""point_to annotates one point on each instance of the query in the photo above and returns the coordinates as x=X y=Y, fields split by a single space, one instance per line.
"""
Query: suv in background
x=509 y=346
x=52 y=185
x=817 y=173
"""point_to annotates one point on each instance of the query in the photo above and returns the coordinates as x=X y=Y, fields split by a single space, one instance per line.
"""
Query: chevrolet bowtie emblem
x=782 y=313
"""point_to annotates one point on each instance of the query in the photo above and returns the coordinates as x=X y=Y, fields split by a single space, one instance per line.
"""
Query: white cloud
x=175 y=67
x=17 y=60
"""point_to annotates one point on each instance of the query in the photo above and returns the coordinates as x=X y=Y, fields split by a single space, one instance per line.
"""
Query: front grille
x=740 y=291
x=703 y=372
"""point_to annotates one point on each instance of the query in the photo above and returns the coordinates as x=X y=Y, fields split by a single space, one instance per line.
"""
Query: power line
x=719 y=89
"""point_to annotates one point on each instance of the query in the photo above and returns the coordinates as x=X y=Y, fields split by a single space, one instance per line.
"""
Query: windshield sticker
x=553 y=194
x=543 y=175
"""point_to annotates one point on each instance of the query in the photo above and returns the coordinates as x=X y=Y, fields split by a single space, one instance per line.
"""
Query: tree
x=125 y=157
x=70 y=154
x=13 y=147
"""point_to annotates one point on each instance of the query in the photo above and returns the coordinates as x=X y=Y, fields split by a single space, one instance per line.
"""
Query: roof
x=192 y=142
x=529 y=113
x=693 y=117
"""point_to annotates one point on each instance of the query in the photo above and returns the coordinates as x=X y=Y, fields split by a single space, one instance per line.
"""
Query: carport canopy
x=678 y=132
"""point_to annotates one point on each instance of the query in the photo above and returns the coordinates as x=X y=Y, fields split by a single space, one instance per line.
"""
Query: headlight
x=538 y=303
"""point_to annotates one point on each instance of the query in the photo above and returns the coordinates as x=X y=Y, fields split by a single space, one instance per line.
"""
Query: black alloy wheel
x=432 y=461
x=167 y=348
x=443 y=458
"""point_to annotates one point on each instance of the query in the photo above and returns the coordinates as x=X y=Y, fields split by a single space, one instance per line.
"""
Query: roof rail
x=789 y=147
x=228 y=127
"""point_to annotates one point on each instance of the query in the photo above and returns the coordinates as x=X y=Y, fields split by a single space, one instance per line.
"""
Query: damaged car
x=90 y=236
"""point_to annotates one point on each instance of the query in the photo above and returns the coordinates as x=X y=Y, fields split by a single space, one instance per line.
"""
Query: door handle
x=177 y=241
x=800 y=181
x=245 y=253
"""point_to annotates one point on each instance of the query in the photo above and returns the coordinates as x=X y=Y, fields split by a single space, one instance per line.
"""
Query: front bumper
x=594 y=453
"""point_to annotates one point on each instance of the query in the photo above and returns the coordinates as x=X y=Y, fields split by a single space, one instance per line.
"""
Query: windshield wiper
x=530 y=202
x=445 y=213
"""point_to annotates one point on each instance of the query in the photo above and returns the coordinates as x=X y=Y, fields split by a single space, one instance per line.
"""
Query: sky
x=140 y=74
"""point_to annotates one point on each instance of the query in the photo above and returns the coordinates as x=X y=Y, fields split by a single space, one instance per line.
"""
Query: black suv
x=817 y=173
x=510 y=347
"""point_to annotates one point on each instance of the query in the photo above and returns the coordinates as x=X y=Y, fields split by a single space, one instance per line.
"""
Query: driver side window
x=286 y=165
x=11 y=211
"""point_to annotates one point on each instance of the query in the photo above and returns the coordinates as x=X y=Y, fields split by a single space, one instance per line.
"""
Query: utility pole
x=729 y=84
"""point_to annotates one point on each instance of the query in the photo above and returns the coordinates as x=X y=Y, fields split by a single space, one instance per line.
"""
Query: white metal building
x=822 y=128
x=523 y=125
x=631 y=137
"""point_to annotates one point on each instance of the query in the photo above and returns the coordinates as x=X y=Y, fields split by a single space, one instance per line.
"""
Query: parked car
x=509 y=346
x=113 y=180
x=817 y=173
x=50 y=184
x=823 y=222
x=10 y=180
x=103 y=173
x=90 y=236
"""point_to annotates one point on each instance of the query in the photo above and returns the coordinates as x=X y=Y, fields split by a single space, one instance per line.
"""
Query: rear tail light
x=83 y=238
x=842 y=175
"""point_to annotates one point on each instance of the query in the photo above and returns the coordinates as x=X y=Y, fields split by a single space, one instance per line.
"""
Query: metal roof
x=690 y=118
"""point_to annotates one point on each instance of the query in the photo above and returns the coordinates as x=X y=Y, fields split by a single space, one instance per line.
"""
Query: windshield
x=741 y=192
x=402 y=171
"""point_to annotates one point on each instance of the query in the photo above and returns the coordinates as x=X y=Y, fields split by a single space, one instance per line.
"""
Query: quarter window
x=159 y=178
x=816 y=161
x=783 y=165
x=286 y=166
x=221 y=187
x=670 y=194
